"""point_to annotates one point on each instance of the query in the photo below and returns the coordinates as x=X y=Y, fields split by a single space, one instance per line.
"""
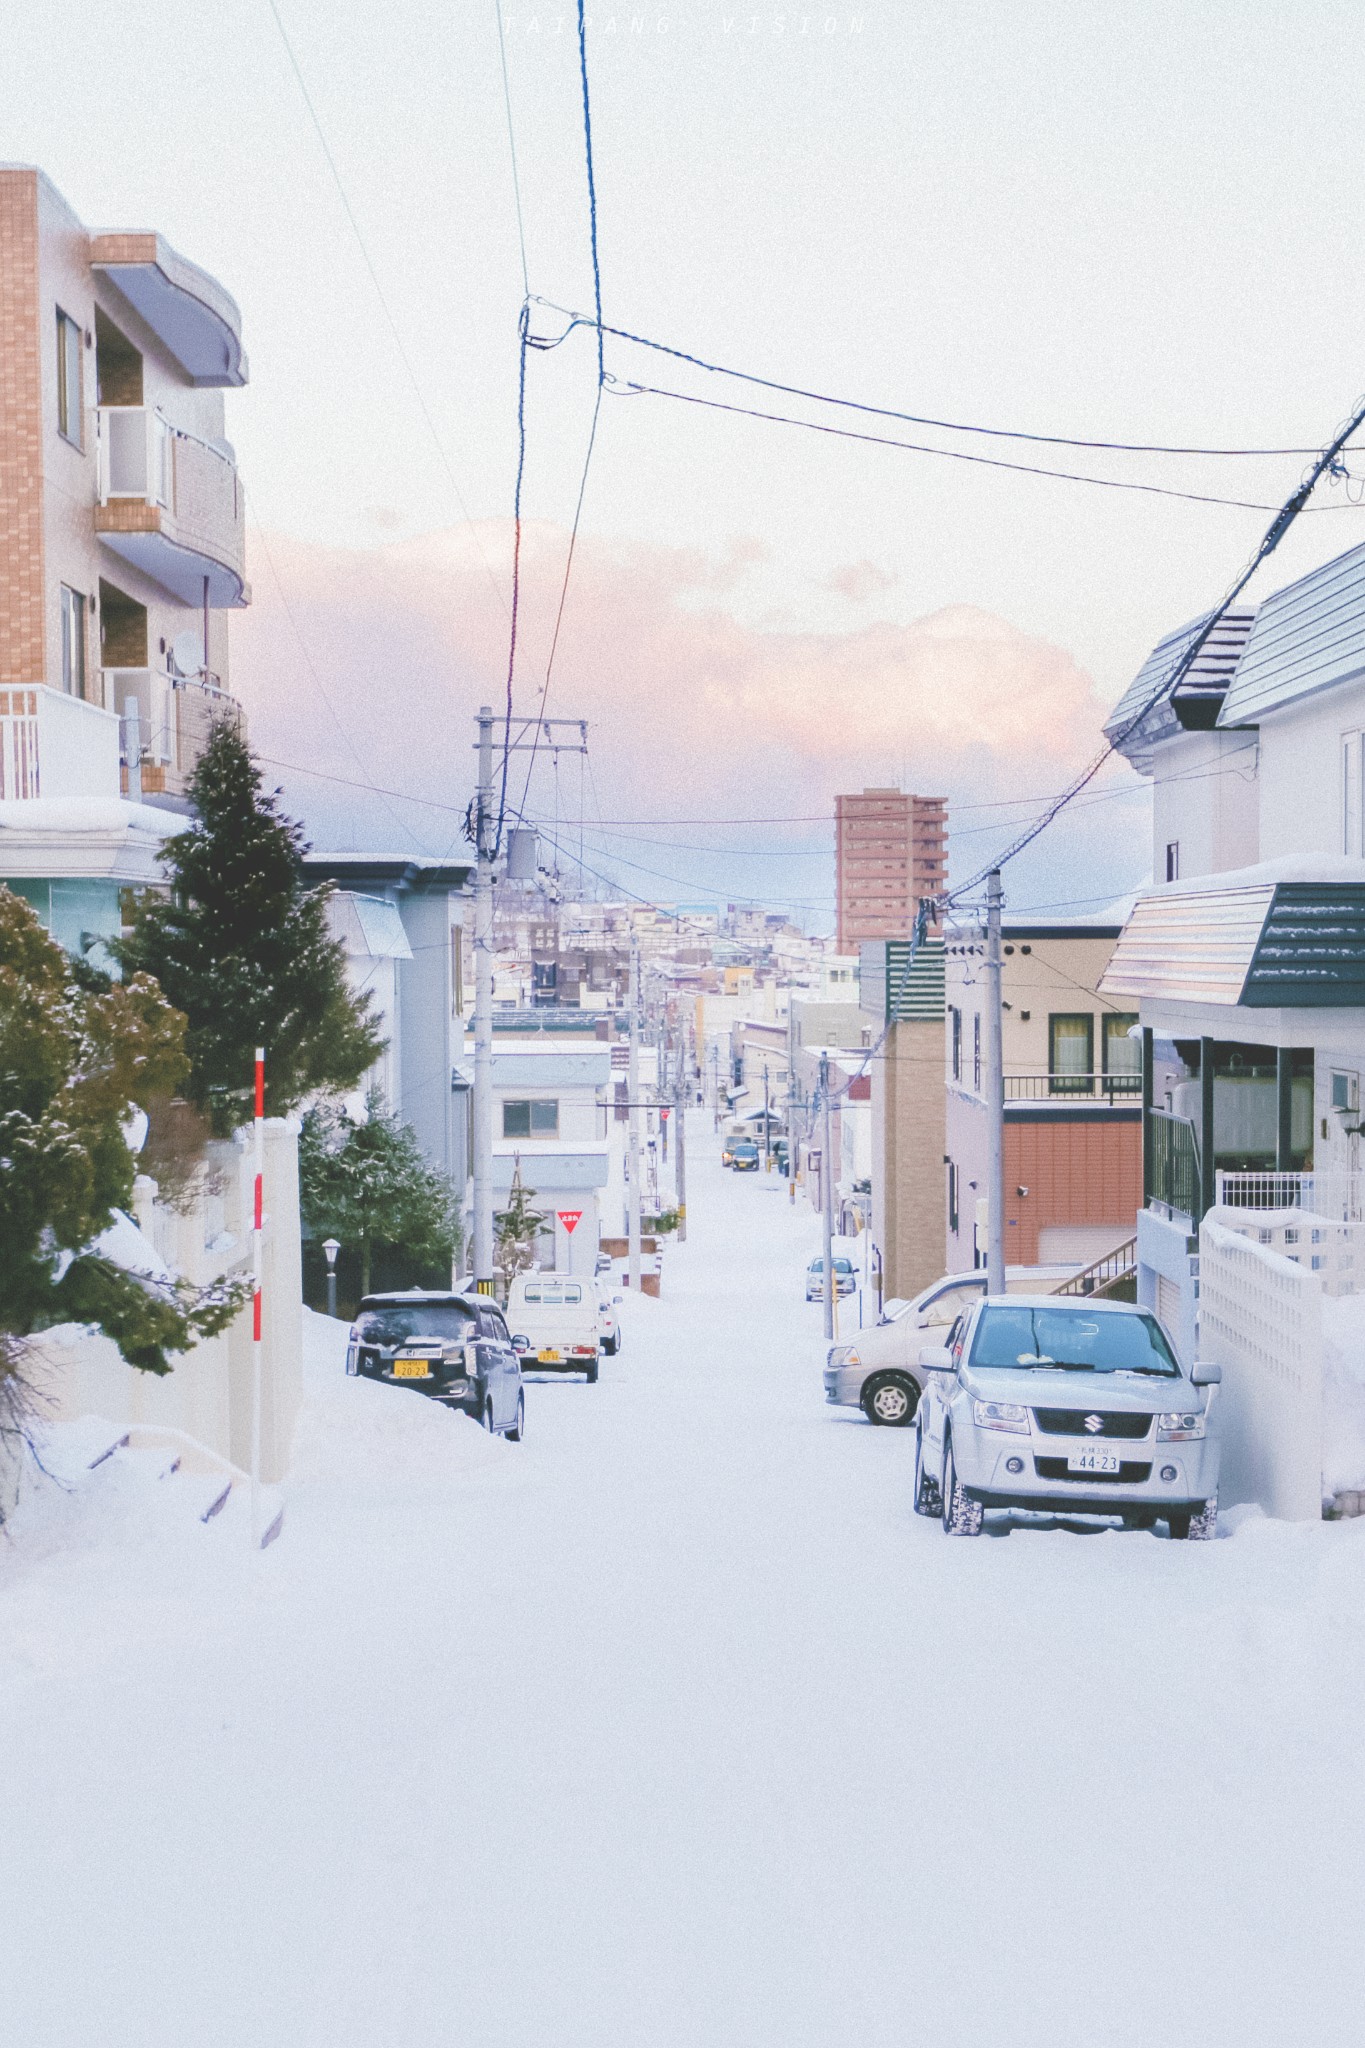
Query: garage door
x=1168 y=1304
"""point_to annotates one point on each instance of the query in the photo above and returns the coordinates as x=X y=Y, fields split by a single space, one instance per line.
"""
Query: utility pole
x=827 y=1196
x=995 y=1094
x=485 y=827
x=680 y=1152
x=767 y=1122
x=791 y=1115
x=633 y=1144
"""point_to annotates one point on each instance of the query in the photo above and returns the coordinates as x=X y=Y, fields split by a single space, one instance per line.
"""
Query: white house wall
x=1206 y=801
x=1301 y=773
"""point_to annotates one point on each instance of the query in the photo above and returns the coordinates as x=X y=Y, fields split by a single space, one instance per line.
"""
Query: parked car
x=1072 y=1407
x=554 y=1322
x=845 y=1279
x=879 y=1369
x=454 y=1347
x=744 y=1156
x=608 y=1325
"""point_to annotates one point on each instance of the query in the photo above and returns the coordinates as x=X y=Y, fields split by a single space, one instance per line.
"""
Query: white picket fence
x=1260 y=1318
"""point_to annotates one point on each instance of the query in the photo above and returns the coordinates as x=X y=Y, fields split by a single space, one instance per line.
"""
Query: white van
x=554 y=1323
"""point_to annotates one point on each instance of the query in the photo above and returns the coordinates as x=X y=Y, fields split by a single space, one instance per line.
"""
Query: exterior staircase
x=1112 y=1278
x=205 y=1485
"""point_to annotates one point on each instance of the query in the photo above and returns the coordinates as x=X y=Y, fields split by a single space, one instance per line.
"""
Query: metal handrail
x=1045 y=1086
x=1115 y=1265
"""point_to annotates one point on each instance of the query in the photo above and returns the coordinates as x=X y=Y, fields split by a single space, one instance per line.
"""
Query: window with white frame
x=73 y=642
x=530 y=1119
x=68 y=379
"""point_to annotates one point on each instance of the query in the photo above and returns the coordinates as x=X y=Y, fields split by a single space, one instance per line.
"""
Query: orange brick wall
x=21 y=428
x=1079 y=1173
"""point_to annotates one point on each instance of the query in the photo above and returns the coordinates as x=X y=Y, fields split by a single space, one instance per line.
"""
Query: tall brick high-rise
x=890 y=850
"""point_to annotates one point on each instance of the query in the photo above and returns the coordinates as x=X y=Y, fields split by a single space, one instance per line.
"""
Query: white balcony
x=52 y=745
x=172 y=505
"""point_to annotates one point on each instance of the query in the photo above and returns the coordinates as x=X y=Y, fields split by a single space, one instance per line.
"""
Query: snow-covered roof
x=1194 y=703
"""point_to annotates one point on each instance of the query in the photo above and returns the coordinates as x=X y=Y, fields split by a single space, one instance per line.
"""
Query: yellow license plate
x=547 y=1357
x=412 y=1368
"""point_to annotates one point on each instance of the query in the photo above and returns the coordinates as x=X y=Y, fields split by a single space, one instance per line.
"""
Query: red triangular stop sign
x=570 y=1218
x=664 y=1114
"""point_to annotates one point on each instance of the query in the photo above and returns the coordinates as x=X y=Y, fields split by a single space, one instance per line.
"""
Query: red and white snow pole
x=256 y=1269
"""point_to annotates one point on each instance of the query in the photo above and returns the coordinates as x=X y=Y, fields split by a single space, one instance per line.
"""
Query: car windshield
x=393 y=1324
x=1011 y=1338
x=552 y=1297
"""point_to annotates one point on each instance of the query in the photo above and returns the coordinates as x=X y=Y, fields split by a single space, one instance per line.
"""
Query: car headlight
x=1006 y=1415
x=1178 y=1429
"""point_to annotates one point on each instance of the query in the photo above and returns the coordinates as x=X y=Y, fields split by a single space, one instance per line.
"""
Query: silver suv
x=1069 y=1407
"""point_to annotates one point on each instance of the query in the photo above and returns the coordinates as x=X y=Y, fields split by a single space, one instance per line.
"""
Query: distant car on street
x=744 y=1157
x=845 y=1279
x=454 y=1347
x=1070 y=1407
x=879 y=1369
x=554 y=1322
x=608 y=1326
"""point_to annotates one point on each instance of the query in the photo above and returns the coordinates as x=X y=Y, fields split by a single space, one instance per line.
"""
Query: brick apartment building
x=890 y=850
x=122 y=548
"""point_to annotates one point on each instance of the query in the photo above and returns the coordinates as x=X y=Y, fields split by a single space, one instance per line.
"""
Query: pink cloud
x=692 y=710
x=857 y=580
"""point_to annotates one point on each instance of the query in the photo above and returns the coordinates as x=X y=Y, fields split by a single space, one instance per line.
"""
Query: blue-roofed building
x=1245 y=959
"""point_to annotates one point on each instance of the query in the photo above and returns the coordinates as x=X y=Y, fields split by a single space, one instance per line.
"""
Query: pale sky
x=1107 y=220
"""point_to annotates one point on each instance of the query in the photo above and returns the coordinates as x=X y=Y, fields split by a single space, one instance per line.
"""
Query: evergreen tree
x=242 y=947
x=368 y=1184
x=516 y=1229
x=78 y=1054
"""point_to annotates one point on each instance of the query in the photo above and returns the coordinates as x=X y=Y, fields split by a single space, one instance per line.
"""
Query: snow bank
x=358 y=1431
x=1343 y=1394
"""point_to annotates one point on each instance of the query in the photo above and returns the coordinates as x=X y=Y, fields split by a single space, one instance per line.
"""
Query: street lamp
x=331 y=1247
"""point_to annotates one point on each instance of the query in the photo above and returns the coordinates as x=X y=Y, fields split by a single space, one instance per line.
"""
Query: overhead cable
x=893 y=413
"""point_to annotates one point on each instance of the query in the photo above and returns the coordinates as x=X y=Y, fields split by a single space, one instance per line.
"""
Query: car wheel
x=518 y=1429
x=1178 y=1522
x=891 y=1401
x=1204 y=1524
x=488 y=1416
x=962 y=1516
x=611 y=1346
x=927 y=1499
x=590 y=1373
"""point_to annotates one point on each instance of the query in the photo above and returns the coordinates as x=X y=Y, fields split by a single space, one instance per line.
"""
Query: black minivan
x=453 y=1347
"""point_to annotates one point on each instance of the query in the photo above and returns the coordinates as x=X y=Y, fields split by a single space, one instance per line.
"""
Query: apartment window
x=1070 y=1053
x=1173 y=860
x=530 y=1119
x=1122 y=1055
x=68 y=379
x=976 y=1052
x=952 y=1196
x=955 y=1034
x=73 y=642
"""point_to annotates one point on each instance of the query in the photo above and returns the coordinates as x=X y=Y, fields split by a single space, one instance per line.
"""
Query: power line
x=512 y=151
x=383 y=302
x=597 y=395
x=1104 y=483
x=1274 y=534
x=892 y=413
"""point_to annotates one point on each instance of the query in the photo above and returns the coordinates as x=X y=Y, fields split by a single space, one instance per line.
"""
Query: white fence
x=1260 y=1318
x=1334 y=1193
x=207 y=1395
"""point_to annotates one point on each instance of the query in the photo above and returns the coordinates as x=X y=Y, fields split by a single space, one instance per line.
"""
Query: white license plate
x=1094 y=1458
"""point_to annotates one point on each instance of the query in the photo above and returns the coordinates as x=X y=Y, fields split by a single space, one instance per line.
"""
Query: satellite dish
x=187 y=652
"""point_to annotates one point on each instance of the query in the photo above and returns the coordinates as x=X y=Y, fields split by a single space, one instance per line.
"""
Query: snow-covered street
x=672 y=1726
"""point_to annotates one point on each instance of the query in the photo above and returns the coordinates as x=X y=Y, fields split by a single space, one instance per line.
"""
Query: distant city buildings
x=890 y=850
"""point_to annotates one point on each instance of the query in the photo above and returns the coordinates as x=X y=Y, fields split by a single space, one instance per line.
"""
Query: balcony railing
x=1337 y=1195
x=171 y=504
x=1048 y=1087
x=1175 y=1165
x=52 y=745
x=165 y=726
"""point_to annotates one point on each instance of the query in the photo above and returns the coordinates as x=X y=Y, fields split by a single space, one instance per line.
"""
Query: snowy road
x=675 y=1727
